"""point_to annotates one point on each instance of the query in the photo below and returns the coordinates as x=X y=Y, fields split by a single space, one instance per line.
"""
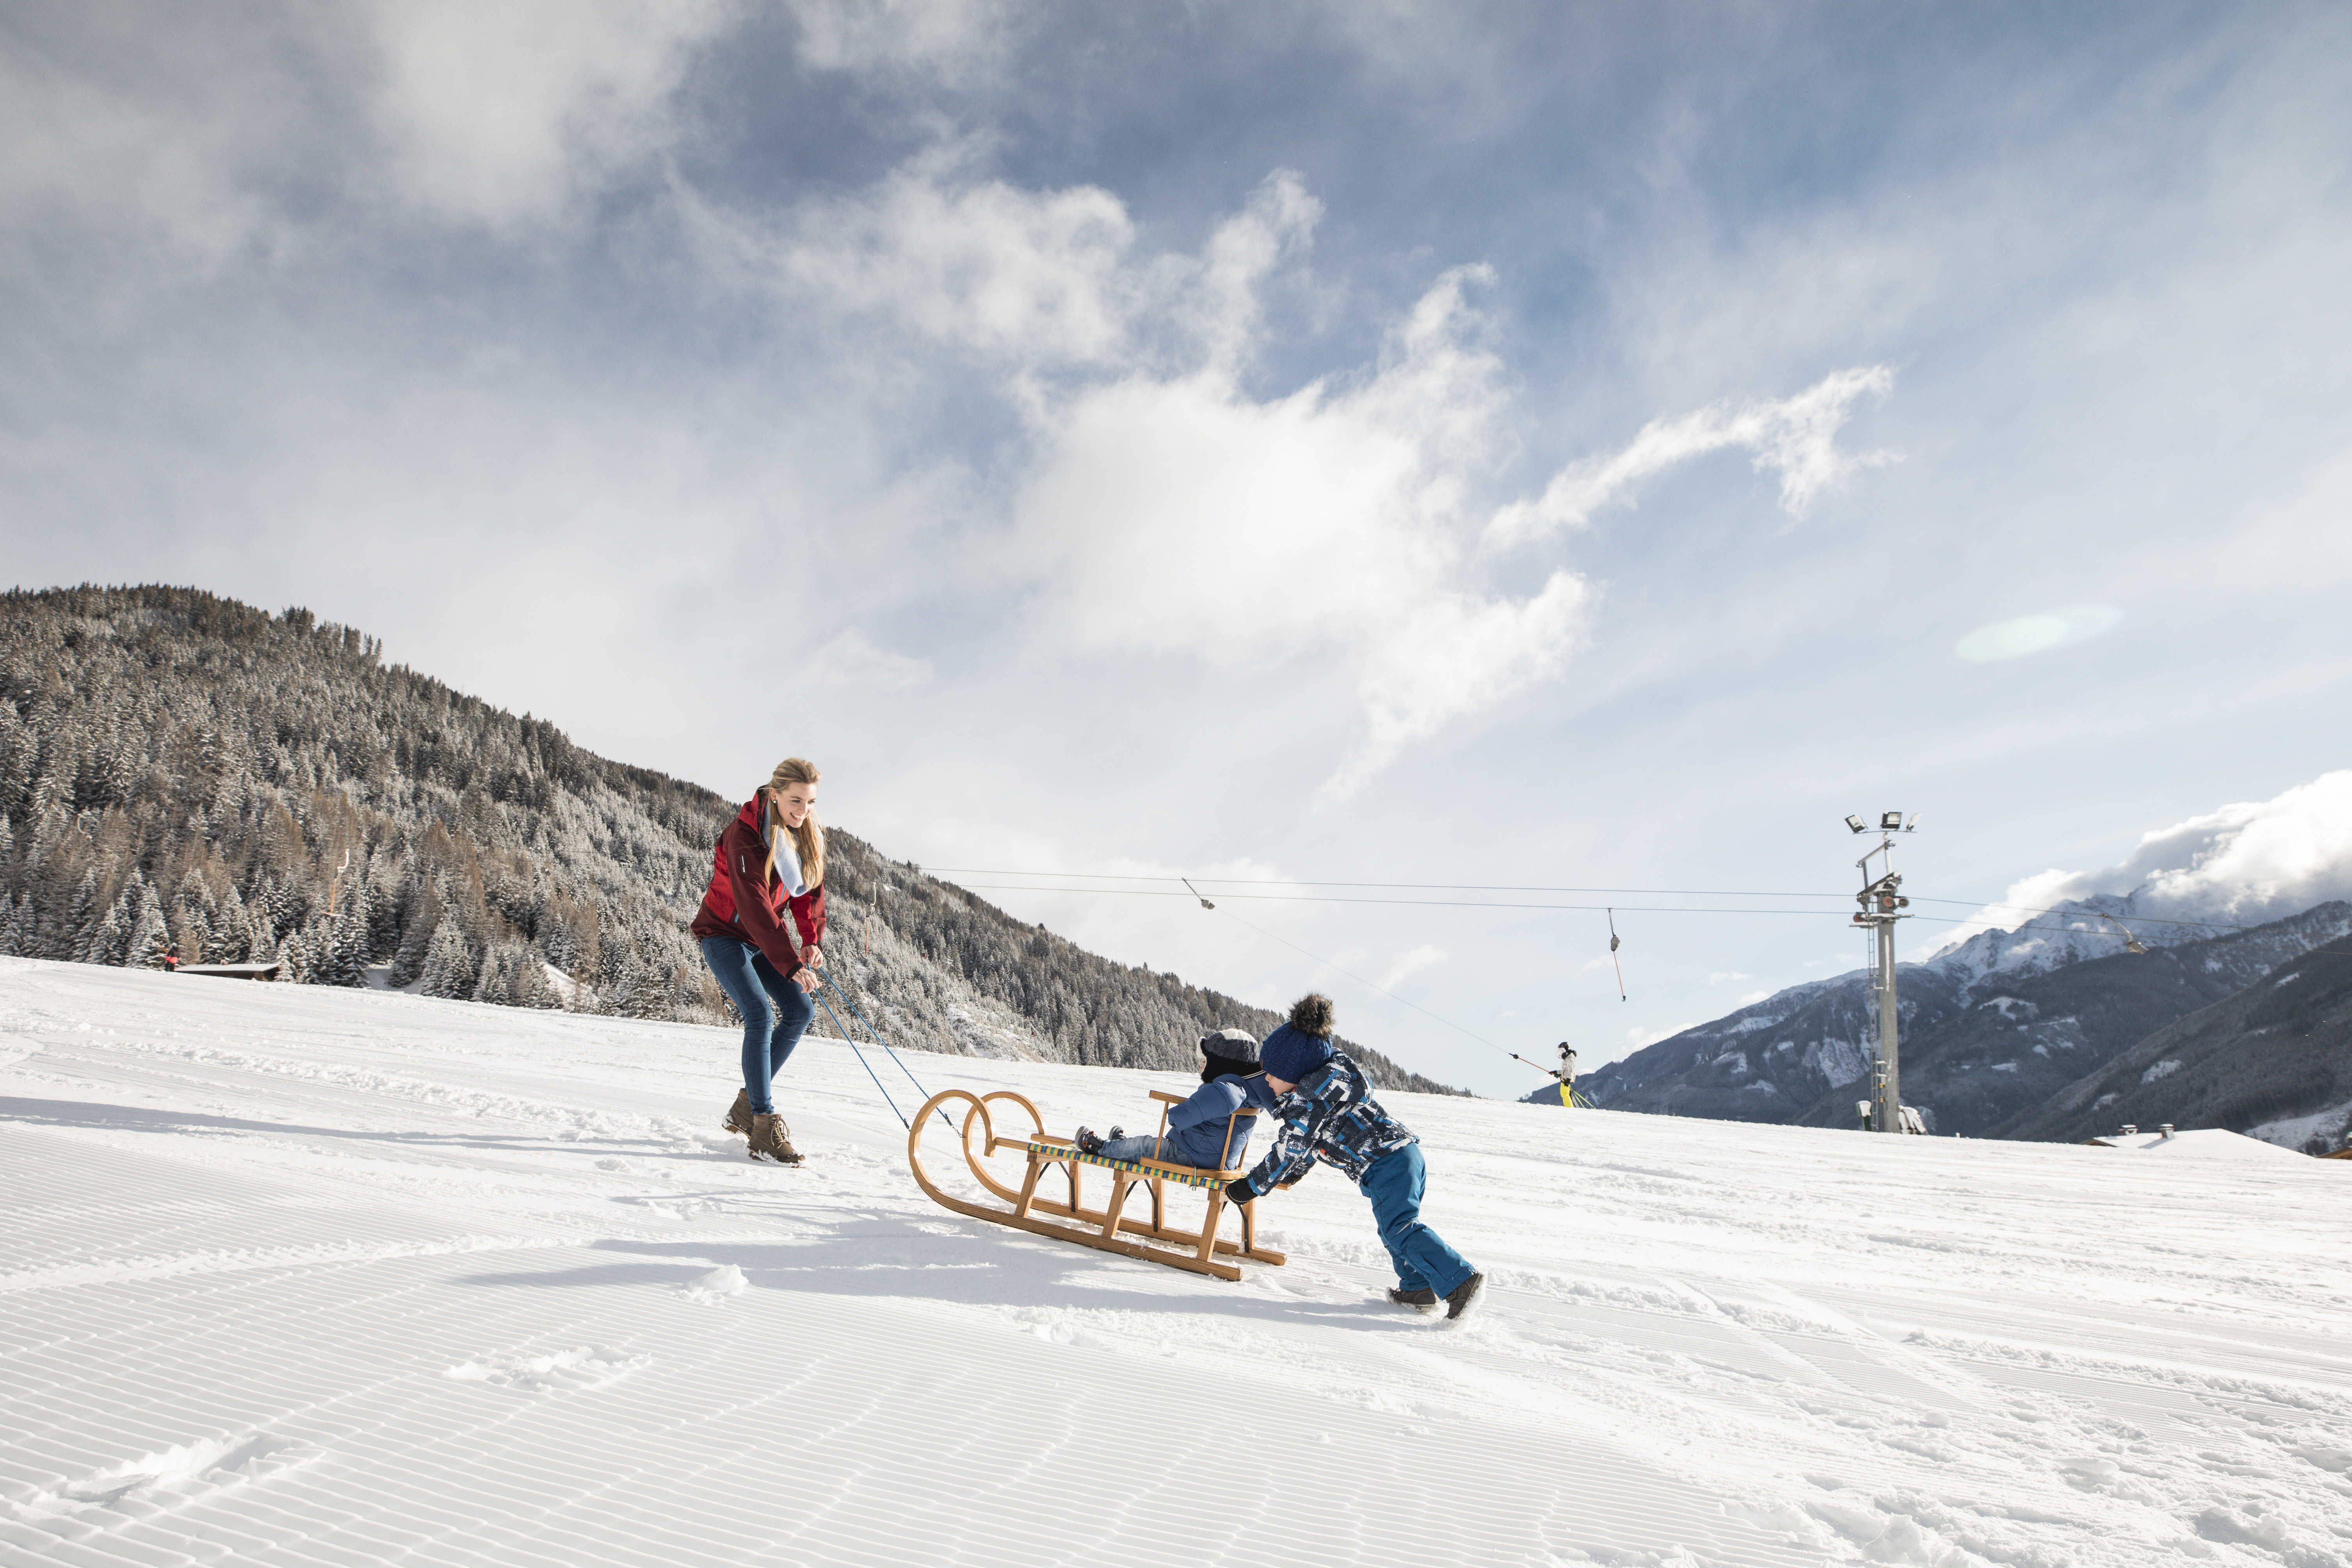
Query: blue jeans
x=1424 y=1261
x=1143 y=1146
x=776 y=1013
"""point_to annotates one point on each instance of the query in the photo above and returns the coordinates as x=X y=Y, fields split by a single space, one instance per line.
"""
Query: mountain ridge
x=1977 y=1050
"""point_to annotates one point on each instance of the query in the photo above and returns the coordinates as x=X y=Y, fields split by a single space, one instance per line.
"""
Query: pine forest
x=183 y=773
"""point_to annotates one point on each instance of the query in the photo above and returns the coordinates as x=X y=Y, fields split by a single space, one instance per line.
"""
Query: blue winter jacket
x=1197 y=1127
x=1329 y=1116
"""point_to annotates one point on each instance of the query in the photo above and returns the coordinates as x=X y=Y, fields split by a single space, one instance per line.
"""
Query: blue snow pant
x=1424 y=1261
x=776 y=1011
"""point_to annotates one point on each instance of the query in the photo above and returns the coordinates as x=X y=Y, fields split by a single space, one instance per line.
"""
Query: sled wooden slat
x=1106 y=1229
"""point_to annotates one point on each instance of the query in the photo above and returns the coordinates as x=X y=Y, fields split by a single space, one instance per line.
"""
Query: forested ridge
x=178 y=769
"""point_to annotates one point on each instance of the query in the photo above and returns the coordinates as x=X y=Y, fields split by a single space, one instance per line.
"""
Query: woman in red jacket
x=761 y=924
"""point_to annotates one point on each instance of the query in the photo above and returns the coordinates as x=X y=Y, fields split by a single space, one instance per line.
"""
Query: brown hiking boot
x=772 y=1139
x=739 y=1115
x=1464 y=1297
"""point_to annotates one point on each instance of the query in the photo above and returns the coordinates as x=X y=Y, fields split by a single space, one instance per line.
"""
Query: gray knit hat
x=1229 y=1052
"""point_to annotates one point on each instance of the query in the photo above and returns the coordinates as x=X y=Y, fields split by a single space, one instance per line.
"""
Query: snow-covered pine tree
x=343 y=958
x=83 y=924
x=150 y=936
x=232 y=940
x=495 y=984
x=425 y=919
x=191 y=917
x=448 y=967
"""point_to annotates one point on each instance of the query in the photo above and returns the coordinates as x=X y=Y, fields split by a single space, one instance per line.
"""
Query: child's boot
x=1423 y=1300
x=1463 y=1298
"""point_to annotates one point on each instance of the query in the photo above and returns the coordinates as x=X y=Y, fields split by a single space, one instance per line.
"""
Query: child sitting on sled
x=1328 y=1113
x=1197 y=1134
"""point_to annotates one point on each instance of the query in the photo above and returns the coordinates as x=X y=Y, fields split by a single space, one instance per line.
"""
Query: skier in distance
x=761 y=923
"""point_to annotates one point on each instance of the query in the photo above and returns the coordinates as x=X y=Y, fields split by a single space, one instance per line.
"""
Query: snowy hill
x=1989 y=1029
x=180 y=768
x=304 y=1275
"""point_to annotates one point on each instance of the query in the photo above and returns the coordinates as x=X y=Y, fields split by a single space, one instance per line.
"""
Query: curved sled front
x=1106 y=1229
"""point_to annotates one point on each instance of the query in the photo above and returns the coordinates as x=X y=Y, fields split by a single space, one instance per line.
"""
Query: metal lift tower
x=1881 y=906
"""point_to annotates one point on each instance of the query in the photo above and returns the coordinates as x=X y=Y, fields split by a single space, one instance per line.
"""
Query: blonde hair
x=808 y=838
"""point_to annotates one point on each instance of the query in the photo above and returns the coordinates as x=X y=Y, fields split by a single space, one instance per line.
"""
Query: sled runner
x=1108 y=1228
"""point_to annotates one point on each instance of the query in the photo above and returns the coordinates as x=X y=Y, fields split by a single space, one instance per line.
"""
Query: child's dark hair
x=1312 y=1015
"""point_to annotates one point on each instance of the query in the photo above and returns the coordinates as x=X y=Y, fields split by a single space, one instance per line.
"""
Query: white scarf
x=787 y=858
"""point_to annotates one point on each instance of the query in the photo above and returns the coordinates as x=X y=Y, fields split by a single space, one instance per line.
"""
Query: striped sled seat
x=1109 y=1228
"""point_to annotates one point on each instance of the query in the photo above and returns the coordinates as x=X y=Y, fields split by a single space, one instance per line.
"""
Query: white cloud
x=160 y=131
x=1407 y=964
x=1166 y=507
x=506 y=113
x=2038 y=633
x=2242 y=864
x=1795 y=437
x=1454 y=657
x=1177 y=514
x=1037 y=278
x=216 y=139
x=850 y=659
x=1723 y=975
x=948 y=40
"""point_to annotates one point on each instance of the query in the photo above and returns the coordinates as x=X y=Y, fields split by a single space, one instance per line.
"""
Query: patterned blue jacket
x=1331 y=1117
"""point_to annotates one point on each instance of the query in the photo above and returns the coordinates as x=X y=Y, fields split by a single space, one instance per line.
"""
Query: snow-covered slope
x=310 y=1276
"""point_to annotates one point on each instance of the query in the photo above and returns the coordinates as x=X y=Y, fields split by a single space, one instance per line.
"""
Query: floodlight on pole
x=1858 y=824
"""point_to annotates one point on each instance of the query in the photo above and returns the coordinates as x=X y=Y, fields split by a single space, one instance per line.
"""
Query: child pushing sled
x=1328 y=1113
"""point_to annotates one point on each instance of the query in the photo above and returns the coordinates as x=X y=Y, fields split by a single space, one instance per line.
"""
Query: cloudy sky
x=1497 y=445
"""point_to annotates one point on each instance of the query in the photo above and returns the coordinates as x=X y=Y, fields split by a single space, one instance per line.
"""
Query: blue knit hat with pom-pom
x=1290 y=1054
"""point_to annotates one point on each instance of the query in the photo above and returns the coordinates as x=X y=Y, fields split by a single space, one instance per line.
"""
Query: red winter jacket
x=747 y=902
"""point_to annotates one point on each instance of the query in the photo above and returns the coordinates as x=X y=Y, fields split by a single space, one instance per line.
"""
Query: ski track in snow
x=309 y=1276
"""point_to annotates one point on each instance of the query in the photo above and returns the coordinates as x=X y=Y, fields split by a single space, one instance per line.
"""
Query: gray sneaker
x=1464 y=1297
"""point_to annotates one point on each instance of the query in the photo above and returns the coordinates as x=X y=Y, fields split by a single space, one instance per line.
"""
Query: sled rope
x=843 y=992
x=862 y=1061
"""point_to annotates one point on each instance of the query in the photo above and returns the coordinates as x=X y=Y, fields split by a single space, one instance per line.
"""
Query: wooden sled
x=1108 y=1228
